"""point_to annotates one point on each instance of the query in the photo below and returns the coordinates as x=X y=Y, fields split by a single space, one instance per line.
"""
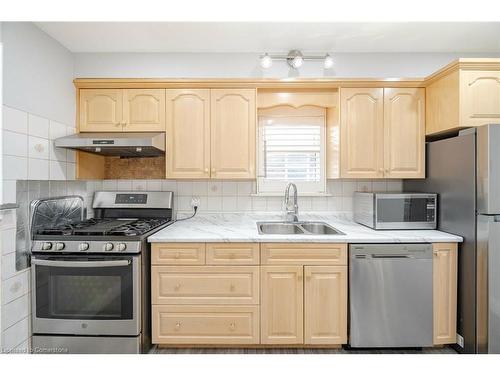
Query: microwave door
x=399 y=212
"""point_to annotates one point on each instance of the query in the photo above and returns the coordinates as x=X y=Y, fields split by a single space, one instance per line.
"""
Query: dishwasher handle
x=391 y=256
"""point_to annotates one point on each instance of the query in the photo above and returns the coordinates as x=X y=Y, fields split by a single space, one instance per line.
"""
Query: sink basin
x=279 y=228
x=301 y=227
x=319 y=228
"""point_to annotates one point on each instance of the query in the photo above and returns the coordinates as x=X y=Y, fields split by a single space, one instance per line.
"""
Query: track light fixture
x=295 y=59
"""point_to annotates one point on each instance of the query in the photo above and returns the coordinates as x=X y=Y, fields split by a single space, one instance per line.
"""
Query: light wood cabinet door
x=101 y=110
x=304 y=254
x=361 y=133
x=233 y=127
x=211 y=325
x=282 y=305
x=188 y=133
x=144 y=110
x=479 y=97
x=445 y=292
x=187 y=254
x=325 y=305
x=198 y=285
x=404 y=133
x=233 y=253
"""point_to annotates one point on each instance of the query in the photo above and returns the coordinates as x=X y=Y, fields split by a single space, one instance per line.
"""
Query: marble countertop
x=241 y=227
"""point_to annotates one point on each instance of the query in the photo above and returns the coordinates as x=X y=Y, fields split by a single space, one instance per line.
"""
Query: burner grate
x=101 y=227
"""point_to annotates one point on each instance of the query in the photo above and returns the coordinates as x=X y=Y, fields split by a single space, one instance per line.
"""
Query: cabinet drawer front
x=178 y=253
x=205 y=285
x=205 y=324
x=233 y=253
x=308 y=254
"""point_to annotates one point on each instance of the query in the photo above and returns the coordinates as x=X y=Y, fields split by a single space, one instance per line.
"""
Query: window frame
x=276 y=187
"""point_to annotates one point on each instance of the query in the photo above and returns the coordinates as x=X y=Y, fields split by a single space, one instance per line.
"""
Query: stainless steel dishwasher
x=390 y=295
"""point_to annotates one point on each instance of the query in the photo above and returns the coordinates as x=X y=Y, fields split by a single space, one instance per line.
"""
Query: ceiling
x=275 y=37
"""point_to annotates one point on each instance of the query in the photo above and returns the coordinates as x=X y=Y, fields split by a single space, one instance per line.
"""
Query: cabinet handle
x=177 y=326
x=232 y=326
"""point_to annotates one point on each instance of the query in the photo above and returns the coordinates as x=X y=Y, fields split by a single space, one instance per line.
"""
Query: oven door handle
x=81 y=264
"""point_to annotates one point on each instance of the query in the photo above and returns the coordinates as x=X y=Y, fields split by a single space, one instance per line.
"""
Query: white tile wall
x=239 y=196
x=15 y=307
x=29 y=152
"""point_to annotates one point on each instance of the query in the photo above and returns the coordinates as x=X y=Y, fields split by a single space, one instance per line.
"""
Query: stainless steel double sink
x=299 y=227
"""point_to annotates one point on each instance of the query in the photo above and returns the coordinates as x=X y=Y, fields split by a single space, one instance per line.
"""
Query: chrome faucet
x=291 y=213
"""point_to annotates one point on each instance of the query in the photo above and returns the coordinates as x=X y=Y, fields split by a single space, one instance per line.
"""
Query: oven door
x=86 y=295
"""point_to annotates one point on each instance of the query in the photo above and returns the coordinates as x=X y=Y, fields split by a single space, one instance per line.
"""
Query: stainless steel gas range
x=90 y=278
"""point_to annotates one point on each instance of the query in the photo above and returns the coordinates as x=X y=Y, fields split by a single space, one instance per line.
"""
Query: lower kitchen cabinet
x=325 y=305
x=270 y=294
x=282 y=305
x=297 y=311
x=445 y=293
x=211 y=325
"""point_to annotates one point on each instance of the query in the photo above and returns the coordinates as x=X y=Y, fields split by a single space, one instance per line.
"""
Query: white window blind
x=291 y=149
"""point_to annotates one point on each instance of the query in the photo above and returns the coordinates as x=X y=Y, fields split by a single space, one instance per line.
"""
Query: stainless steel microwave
x=396 y=210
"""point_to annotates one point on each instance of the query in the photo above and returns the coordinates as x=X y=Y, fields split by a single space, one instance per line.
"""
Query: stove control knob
x=84 y=246
x=46 y=245
x=60 y=246
x=108 y=246
x=121 y=246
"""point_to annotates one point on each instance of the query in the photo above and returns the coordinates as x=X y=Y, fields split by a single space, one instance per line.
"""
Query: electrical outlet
x=460 y=340
x=195 y=201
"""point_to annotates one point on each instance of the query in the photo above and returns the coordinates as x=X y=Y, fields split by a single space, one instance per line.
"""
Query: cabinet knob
x=124 y=123
x=177 y=286
x=308 y=278
x=299 y=278
x=232 y=287
x=118 y=124
x=232 y=326
x=207 y=170
x=177 y=255
x=177 y=326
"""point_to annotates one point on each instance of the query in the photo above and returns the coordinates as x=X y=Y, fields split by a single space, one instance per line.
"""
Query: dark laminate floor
x=157 y=350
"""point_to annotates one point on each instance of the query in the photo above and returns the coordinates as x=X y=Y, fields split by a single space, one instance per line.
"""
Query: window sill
x=299 y=195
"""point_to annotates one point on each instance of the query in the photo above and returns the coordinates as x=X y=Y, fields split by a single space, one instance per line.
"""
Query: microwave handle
x=80 y=264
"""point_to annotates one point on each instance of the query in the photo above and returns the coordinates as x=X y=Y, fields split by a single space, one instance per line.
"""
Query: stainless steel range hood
x=116 y=144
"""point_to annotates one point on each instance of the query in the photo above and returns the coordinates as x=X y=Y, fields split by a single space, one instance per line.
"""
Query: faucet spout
x=291 y=211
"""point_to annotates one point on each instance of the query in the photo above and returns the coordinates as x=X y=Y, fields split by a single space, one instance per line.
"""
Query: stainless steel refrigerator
x=465 y=172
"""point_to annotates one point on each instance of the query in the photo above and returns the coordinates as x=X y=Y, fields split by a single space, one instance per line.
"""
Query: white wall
x=154 y=65
x=38 y=106
x=38 y=73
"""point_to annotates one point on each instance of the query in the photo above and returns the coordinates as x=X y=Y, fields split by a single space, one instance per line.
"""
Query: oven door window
x=89 y=293
x=400 y=210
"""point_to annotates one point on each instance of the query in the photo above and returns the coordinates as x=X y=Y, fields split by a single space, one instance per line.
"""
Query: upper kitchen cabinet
x=463 y=94
x=143 y=110
x=382 y=133
x=101 y=110
x=361 y=132
x=188 y=133
x=233 y=127
x=404 y=133
x=122 y=110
